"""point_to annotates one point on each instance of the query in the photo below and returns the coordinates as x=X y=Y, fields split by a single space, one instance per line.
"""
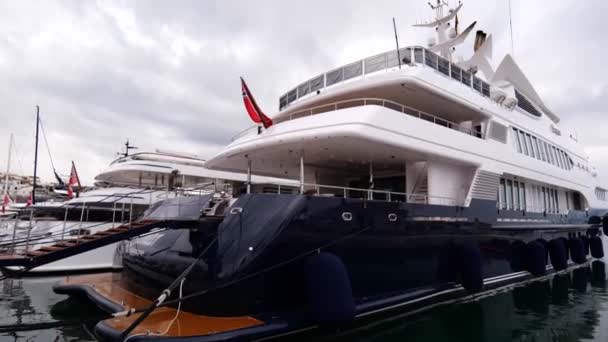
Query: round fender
x=535 y=258
x=471 y=270
x=329 y=292
x=557 y=254
x=577 y=252
x=596 y=246
x=518 y=256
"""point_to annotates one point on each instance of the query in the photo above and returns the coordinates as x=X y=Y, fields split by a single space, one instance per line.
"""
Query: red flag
x=255 y=113
x=74 y=179
x=6 y=200
x=29 y=201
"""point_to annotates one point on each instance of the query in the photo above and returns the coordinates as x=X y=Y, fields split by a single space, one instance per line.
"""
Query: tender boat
x=421 y=180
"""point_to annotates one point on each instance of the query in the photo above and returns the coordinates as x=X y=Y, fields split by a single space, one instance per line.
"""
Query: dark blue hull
x=398 y=257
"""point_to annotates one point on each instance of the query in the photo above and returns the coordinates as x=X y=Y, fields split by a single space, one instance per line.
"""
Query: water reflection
x=567 y=307
x=29 y=300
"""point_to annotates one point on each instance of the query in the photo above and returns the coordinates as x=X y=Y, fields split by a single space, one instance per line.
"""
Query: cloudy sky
x=165 y=73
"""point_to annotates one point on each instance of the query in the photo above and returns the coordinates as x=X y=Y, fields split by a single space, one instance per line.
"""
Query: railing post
x=248 y=176
x=114 y=214
x=279 y=190
x=131 y=212
x=81 y=219
x=65 y=220
x=301 y=174
x=122 y=215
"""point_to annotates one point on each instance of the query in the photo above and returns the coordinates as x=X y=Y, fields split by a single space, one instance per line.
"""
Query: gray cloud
x=165 y=74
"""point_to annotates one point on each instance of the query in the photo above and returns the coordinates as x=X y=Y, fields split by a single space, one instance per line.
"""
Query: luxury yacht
x=423 y=177
x=122 y=193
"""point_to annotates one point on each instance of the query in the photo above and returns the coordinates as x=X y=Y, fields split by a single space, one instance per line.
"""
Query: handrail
x=382 y=62
x=389 y=196
x=359 y=102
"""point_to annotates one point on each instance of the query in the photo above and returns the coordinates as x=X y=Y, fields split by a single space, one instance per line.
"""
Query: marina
x=426 y=192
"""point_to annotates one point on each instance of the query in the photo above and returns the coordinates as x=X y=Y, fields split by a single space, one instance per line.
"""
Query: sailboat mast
x=36 y=155
x=8 y=164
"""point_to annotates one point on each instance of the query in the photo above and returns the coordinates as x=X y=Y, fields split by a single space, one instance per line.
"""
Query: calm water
x=567 y=307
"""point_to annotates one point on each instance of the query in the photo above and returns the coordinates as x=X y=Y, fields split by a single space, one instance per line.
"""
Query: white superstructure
x=418 y=123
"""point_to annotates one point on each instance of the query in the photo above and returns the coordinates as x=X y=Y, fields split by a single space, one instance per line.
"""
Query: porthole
x=236 y=210
x=346 y=216
x=392 y=217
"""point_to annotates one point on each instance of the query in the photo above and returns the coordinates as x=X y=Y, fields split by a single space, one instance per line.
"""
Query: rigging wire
x=46 y=142
x=18 y=157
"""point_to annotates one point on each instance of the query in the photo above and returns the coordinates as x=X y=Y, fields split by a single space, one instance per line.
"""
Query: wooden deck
x=111 y=286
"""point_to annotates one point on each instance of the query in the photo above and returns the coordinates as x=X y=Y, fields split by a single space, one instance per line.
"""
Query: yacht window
x=418 y=55
x=522 y=138
x=283 y=101
x=516 y=195
x=353 y=70
x=444 y=66
x=457 y=73
x=477 y=84
x=485 y=89
x=522 y=196
x=564 y=159
x=529 y=143
x=558 y=162
x=546 y=149
x=375 y=63
x=430 y=59
x=334 y=77
x=466 y=78
x=540 y=149
x=501 y=195
x=544 y=198
x=304 y=89
x=557 y=201
x=292 y=95
x=316 y=83
x=561 y=158
x=406 y=55
x=536 y=150
x=567 y=200
x=509 y=194
x=516 y=139
x=552 y=154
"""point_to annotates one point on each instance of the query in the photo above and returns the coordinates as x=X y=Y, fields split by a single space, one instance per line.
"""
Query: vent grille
x=525 y=104
x=498 y=132
x=485 y=185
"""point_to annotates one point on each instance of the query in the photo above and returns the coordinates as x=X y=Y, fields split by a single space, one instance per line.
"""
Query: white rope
x=179 y=306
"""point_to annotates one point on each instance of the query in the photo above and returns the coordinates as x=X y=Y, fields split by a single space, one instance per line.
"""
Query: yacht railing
x=383 y=103
x=370 y=194
x=414 y=55
x=369 y=102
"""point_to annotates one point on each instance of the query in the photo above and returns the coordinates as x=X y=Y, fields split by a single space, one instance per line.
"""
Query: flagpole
x=36 y=154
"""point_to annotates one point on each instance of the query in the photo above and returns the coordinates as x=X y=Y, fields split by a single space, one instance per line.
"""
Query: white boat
x=123 y=192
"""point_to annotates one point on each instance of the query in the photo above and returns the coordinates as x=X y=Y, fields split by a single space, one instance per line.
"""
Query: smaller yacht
x=122 y=192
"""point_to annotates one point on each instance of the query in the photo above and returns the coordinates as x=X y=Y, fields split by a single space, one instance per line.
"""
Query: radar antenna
x=128 y=147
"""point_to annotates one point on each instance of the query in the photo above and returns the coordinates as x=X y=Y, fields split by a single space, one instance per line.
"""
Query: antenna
x=511 y=27
x=128 y=147
x=397 y=42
